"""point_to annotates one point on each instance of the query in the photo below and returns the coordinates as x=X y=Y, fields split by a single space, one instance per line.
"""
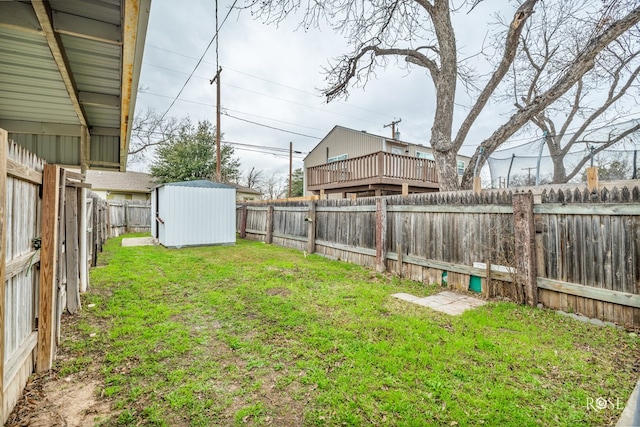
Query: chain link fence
x=531 y=164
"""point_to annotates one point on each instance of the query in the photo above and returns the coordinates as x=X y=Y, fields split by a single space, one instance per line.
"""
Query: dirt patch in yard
x=57 y=399
x=48 y=401
x=278 y=291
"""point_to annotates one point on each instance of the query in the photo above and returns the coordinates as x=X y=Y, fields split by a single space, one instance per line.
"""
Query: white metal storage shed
x=193 y=213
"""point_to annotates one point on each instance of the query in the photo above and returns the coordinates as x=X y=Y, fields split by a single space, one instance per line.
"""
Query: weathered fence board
x=40 y=232
x=127 y=216
x=72 y=249
x=579 y=245
x=20 y=180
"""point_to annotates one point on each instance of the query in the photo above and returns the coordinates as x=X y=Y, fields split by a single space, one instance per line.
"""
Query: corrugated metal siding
x=105 y=148
x=62 y=150
x=100 y=10
x=103 y=116
x=197 y=216
x=96 y=66
x=27 y=96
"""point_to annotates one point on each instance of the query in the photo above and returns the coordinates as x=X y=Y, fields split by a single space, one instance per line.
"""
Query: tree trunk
x=447 y=167
x=559 y=171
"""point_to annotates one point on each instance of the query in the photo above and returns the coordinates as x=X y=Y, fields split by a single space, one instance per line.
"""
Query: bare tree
x=550 y=41
x=422 y=32
x=253 y=178
x=150 y=130
x=274 y=187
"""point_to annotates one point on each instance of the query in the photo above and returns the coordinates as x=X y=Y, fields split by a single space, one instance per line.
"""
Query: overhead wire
x=531 y=140
x=271 y=127
x=215 y=37
x=280 y=151
x=225 y=112
x=315 y=95
x=261 y=94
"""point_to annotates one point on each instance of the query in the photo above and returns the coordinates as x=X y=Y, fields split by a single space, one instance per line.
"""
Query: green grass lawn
x=254 y=334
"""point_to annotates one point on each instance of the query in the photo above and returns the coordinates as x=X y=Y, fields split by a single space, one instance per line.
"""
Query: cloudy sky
x=271 y=78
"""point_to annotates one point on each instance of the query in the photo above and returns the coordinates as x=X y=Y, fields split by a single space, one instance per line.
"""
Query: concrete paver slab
x=138 y=241
x=405 y=297
x=445 y=302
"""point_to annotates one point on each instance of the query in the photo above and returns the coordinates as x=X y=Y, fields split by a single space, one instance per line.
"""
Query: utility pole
x=529 y=178
x=291 y=153
x=393 y=127
x=216 y=80
x=290 y=165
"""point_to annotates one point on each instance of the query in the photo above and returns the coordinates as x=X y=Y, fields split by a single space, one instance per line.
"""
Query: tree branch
x=574 y=109
x=603 y=147
x=583 y=63
x=347 y=68
x=611 y=99
x=511 y=47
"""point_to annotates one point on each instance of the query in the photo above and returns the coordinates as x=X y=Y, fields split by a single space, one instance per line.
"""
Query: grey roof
x=68 y=65
x=201 y=183
x=243 y=189
x=137 y=182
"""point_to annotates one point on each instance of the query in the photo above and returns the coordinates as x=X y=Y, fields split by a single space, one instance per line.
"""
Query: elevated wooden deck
x=381 y=171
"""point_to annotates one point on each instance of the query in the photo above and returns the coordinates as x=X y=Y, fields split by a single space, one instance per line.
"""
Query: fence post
x=592 y=179
x=72 y=256
x=125 y=206
x=311 y=227
x=381 y=234
x=525 y=247
x=4 y=139
x=84 y=267
x=48 y=267
x=269 y=237
x=108 y=217
x=243 y=222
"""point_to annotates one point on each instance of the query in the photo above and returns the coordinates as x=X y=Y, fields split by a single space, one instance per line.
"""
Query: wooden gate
x=43 y=263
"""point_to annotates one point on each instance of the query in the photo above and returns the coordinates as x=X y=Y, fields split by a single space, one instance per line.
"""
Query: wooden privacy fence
x=43 y=263
x=128 y=216
x=571 y=250
x=21 y=175
x=97 y=227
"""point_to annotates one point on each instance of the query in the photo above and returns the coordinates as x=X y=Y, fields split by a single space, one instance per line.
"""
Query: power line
x=265 y=95
x=572 y=132
x=251 y=147
x=298 y=103
x=253 y=150
x=315 y=95
x=241 y=112
x=173 y=70
x=272 y=127
x=278 y=149
x=215 y=36
x=275 y=120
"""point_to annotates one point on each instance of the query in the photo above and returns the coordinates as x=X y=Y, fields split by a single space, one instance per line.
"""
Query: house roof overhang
x=71 y=69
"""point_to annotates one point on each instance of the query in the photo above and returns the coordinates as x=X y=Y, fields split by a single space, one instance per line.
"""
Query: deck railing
x=371 y=166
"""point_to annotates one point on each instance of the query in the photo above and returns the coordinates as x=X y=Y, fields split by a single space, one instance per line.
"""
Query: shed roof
x=137 y=182
x=247 y=190
x=201 y=183
x=71 y=69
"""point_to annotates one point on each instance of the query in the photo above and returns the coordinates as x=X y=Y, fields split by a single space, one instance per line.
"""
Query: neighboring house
x=246 y=193
x=120 y=185
x=348 y=161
